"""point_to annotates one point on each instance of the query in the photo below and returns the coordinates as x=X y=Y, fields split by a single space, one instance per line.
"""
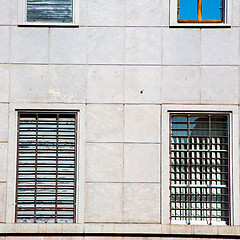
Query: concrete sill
x=48 y=25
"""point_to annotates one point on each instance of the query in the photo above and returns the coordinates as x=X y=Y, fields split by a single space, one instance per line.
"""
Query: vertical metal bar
x=75 y=166
x=56 y=189
x=36 y=162
x=228 y=185
x=18 y=134
x=199 y=10
x=210 y=169
x=189 y=169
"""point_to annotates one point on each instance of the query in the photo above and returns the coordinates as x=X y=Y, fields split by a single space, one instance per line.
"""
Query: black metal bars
x=199 y=163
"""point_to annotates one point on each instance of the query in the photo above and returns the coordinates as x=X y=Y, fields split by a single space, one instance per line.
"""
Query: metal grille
x=46 y=167
x=199 y=163
x=50 y=11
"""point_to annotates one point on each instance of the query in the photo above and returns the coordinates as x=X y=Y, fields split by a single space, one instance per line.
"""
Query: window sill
x=200 y=25
x=39 y=24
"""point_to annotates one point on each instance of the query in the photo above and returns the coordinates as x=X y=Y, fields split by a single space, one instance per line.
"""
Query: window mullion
x=199 y=10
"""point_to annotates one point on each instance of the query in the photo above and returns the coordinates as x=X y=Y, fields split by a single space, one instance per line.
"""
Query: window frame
x=199 y=14
x=12 y=154
x=22 y=16
x=193 y=187
x=225 y=22
x=38 y=114
x=233 y=164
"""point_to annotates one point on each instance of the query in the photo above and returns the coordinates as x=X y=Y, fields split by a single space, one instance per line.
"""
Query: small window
x=49 y=11
x=200 y=11
x=46 y=167
x=199 y=169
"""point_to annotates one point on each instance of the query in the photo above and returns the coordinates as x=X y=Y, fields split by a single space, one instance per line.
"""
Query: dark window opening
x=199 y=163
x=46 y=167
x=50 y=11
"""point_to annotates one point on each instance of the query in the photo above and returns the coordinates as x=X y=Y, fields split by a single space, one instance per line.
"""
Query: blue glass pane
x=188 y=9
x=211 y=9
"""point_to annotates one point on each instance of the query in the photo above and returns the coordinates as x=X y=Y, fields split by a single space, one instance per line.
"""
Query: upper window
x=56 y=11
x=200 y=11
x=199 y=163
x=46 y=167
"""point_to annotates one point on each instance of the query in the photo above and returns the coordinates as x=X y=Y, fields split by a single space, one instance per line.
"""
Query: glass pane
x=188 y=9
x=50 y=11
x=211 y=9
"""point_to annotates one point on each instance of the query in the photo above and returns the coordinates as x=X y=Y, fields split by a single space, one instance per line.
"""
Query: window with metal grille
x=54 y=11
x=199 y=163
x=46 y=167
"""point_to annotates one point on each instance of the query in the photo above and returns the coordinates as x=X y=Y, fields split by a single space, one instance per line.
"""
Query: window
x=200 y=11
x=50 y=11
x=46 y=167
x=199 y=168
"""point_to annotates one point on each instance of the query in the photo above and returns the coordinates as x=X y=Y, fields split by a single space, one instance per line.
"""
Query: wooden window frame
x=199 y=14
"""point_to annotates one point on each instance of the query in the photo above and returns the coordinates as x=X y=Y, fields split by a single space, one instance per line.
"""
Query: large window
x=46 y=167
x=199 y=168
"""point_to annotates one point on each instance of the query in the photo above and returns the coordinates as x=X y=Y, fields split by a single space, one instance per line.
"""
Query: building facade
x=119 y=119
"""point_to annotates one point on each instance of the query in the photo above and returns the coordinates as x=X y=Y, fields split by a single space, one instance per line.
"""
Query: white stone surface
x=83 y=13
x=103 y=202
x=67 y=83
x=181 y=84
x=236 y=13
x=143 y=45
x=4 y=122
x=4 y=44
x=3 y=162
x=142 y=123
x=219 y=85
x=141 y=163
x=165 y=14
x=68 y=45
x=106 y=12
x=143 y=84
x=105 y=45
x=141 y=203
x=4 y=83
x=5 y=12
x=181 y=46
x=3 y=191
x=29 y=45
x=104 y=162
x=143 y=13
x=29 y=83
x=105 y=84
x=220 y=46
x=14 y=11
x=104 y=123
